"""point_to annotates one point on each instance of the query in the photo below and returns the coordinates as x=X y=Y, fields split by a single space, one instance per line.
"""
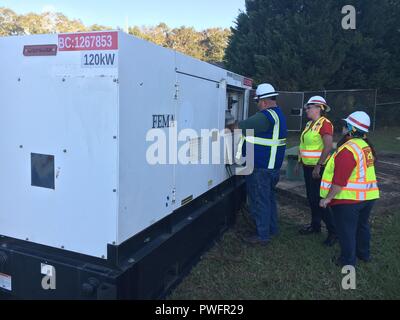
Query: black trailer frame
x=148 y=266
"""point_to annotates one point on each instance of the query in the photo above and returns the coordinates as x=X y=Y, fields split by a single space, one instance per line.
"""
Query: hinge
x=176 y=91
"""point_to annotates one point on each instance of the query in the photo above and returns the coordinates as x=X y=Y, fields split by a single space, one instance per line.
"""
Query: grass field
x=386 y=140
x=292 y=266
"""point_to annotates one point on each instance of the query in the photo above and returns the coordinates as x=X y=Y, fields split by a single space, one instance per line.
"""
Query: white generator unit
x=77 y=187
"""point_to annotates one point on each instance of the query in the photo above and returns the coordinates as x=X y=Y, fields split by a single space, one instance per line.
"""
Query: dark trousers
x=318 y=214
x=261 y=188
x=353 y=230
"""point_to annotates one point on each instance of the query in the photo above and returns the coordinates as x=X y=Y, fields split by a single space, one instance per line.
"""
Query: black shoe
x=337 y=262
x=331 y=240
x=255 y=240
x=308 y=230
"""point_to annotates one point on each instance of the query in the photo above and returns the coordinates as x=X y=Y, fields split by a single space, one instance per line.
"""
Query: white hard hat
x=318 y=100
x=265 y=91
x=360 y=120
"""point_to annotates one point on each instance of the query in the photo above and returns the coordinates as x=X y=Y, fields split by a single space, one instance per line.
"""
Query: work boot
x=337 y=261
x=365 y=260
x=331 y=240
x=255 y=240
x=308 y=230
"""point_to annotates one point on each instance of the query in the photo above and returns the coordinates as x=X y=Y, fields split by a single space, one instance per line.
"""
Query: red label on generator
x=248 y=82
x=88 y=41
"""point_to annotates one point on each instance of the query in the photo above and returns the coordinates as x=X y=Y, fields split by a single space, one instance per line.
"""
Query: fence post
x=302 y=112
x=376 y=98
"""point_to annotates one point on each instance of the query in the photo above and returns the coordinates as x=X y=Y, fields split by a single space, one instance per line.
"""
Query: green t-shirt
x=259 y=123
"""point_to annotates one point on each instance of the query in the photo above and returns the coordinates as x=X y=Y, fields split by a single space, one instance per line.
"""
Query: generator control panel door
x=198 y=109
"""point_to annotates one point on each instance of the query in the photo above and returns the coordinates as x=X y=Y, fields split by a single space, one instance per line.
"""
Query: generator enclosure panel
x=76 y=116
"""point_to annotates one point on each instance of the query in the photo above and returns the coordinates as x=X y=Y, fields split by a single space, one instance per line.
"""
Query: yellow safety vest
x=363 y=185
x=312 y=144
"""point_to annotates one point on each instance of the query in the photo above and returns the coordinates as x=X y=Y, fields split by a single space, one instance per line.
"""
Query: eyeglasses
x=311 y=107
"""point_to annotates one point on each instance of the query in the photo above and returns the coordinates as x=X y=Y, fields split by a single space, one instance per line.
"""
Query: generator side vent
x=42 y=171
x=187 y=200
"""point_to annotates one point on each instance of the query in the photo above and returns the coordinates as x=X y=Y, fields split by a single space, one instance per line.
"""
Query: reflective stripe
x=362 y=185
x=273 y=143
x=318 y=125
x=240 y=148
x=266 y=142
x=362 y=167
x=311 y=143
x=353 y=186
x=366 y=186
x=310 y=154
x=275 y=136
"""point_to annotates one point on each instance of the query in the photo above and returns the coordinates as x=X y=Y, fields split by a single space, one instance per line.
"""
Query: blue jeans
x=261 y=188
x=353 y=230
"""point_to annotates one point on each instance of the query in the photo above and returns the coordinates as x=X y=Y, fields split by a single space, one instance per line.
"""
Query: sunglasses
x=311 y=107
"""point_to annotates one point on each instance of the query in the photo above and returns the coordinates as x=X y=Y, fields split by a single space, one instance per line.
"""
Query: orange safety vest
x=363 y=185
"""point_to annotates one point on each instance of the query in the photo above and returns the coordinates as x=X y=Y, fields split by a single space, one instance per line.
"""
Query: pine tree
x=301 y=45
x=371 y=60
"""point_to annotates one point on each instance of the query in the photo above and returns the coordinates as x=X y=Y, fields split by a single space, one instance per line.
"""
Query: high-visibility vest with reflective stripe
x=312 y=144
x=363 y=185
x=270 y=146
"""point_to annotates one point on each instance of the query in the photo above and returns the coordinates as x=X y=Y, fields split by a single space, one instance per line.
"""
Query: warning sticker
x=5 y=282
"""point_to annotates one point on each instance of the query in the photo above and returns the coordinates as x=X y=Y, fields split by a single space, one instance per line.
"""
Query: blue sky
x=200 y=14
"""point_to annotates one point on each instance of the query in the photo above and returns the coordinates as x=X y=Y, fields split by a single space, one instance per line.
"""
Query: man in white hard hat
x=269 y=140
x=349 y=186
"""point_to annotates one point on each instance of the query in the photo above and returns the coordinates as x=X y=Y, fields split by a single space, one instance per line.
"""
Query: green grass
x=293 y=267
x=384 y=140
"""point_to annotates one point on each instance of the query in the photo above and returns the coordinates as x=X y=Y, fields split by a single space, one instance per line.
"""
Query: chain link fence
x=345 y=102
x=342 y=102
x=387 y=109
x=383 y=106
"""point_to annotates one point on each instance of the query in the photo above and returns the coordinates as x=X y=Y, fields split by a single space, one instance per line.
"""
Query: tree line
x=298 y=45
x=208 y=45
x=301 y=45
